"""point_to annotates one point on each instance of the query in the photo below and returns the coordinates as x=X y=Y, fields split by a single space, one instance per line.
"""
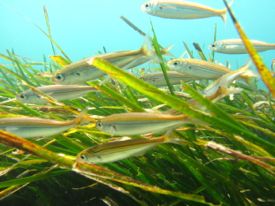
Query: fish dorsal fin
x=224 y=11
x=61 y=61
x=184 y=55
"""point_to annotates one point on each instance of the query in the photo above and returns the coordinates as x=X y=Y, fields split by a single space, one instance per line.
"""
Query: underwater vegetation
x=103 y=131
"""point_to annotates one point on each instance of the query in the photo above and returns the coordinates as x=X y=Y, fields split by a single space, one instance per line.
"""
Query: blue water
x=83 y=27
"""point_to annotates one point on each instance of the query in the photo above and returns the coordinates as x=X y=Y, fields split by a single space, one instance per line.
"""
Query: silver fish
x=29 y=127
x=118 y=150
x=136 y=123
x=202 y=69
x=236 y=46
x=58 y=92
x=176 y=9
x=77 y=73
x=81 y=72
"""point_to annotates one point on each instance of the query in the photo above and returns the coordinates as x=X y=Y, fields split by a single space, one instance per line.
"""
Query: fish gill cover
x=140 y=126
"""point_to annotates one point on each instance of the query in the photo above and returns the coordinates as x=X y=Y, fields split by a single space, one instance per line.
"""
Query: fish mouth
x=212 y=47
x=143 y=8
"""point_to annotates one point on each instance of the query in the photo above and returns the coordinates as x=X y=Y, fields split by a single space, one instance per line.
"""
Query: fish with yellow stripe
x=203 y=69
x=122 y=149
x=236 y=46
x=137 y=123
x=80 y=72
x=29 y=127
x=58 y=92
x=177 y=9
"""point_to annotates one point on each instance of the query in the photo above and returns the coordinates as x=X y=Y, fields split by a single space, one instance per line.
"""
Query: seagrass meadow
x=226 y=155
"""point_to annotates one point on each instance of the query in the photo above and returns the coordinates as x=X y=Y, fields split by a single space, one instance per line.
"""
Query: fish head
x=106 y=127
x=99 y=125
x=77 y=75
x=72 y=74
x=28 y=97
x=67 y=77
x=58 y=78
x=146 y=7
x=89 y=156
x=217 y=46
x=150 y=7
x=180 y=65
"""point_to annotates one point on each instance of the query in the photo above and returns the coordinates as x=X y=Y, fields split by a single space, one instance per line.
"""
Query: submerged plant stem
x=48 y=26
x=162 y=64
x=200 y=52
x=218 y=147
x=129 y=23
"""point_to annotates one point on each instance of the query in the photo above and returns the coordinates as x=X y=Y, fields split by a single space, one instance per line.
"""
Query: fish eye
x=175 y=63
x=83 y=157
x=99 y=124
x=22 y=96
x=98 y=157
x=114 y=127
x=212 y=45
x=146 y=5
x=77 y=74
x=59 y=77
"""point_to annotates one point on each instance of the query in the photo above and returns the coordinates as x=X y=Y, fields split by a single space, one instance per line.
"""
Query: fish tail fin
x=146 y=46
x=224 y=12
x=223 y=15
x=166 y=51
x=148 y=50
x=83 y=117
x=247 y=75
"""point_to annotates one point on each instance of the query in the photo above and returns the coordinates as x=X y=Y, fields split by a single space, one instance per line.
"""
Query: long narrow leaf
x=266 y=75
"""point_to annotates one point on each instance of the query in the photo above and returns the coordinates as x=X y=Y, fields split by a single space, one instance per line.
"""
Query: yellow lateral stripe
x=266 y=75
x=142 y=116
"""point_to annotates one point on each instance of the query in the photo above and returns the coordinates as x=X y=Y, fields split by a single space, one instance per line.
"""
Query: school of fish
x=70 y=82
